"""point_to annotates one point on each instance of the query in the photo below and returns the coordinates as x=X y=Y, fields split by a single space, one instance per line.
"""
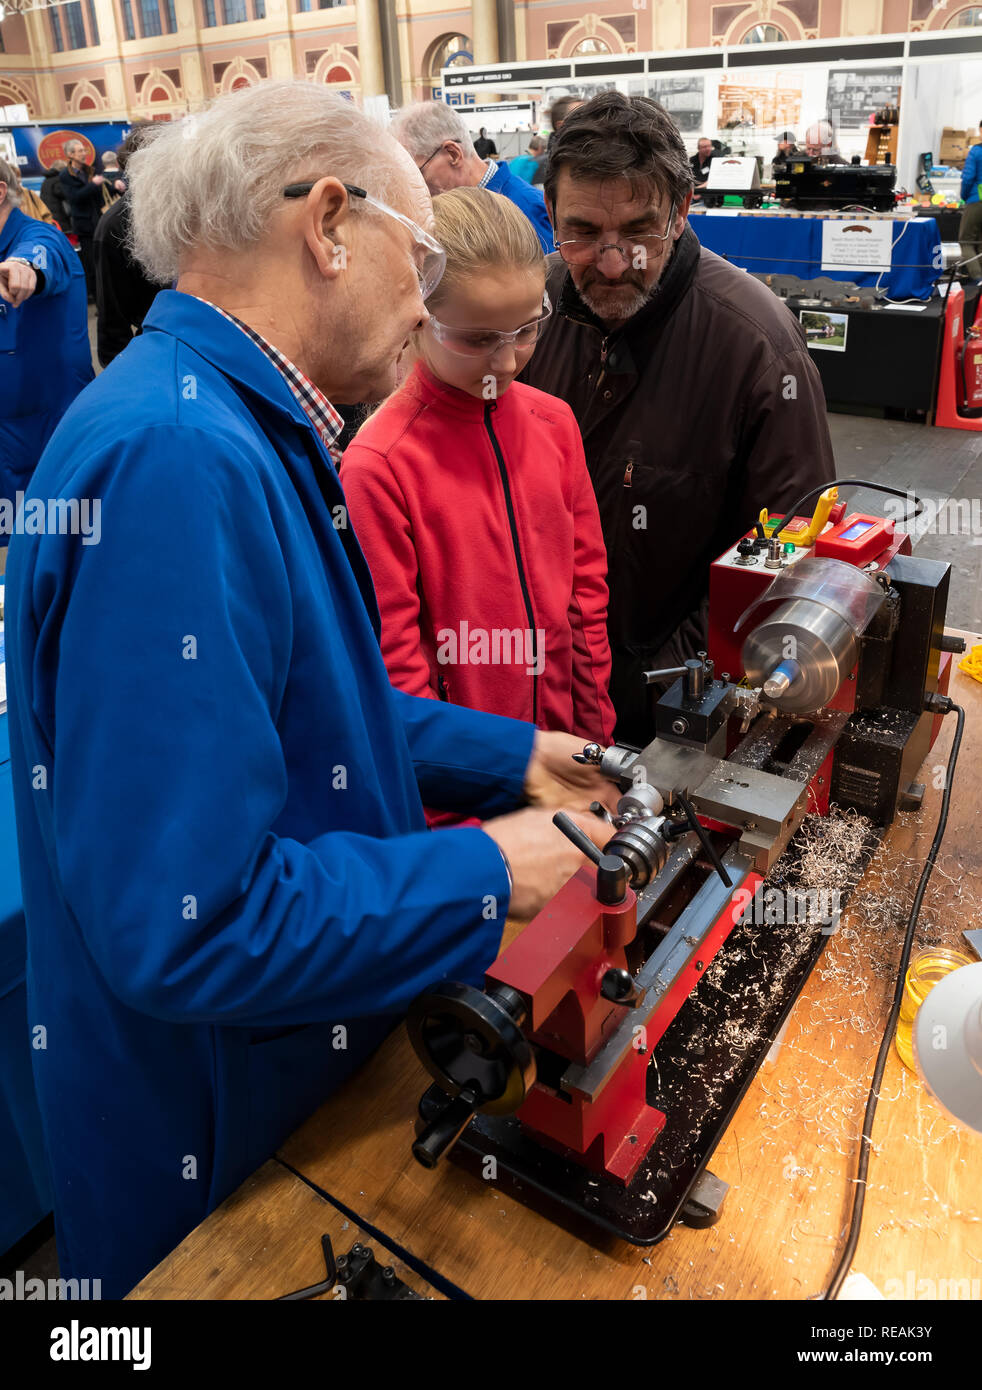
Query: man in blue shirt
x=45 y=357
x=443 y=151
x=527 y=165
x=230 y=891
x=970 y=227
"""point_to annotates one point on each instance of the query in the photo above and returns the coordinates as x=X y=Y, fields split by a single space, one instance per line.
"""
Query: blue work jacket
x=530 y=200
x=45 y=356
x=972 y=175
x=230 y=890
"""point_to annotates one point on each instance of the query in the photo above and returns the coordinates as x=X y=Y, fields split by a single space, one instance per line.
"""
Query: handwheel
x=470 y=1042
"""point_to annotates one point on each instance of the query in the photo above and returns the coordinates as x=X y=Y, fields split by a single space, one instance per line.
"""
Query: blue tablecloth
x=25 y=1193
x=775 y=243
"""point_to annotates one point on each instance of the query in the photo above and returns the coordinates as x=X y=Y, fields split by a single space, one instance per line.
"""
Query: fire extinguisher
x=968 y=374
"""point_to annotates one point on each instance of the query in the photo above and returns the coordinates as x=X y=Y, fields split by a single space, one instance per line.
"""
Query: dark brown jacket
x=696 y=413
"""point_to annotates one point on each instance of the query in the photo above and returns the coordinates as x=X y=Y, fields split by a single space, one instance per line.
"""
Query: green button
x=788 y=547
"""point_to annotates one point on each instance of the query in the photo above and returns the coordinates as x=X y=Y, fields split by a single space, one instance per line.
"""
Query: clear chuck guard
x=805 y=647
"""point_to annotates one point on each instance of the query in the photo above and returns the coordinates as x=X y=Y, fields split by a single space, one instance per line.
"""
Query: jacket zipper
x=518 y=555
x=628 y=470
x=441 y=687
x=603 y=364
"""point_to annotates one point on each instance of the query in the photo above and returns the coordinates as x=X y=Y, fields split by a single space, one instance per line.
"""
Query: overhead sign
x=517 y=74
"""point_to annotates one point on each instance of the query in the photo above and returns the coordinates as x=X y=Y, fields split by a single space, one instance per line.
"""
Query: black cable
x=859 y=1197
x=794 y=511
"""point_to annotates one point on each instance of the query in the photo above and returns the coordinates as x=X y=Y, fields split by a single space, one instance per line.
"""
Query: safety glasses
x=485 y=342
x=429 y=256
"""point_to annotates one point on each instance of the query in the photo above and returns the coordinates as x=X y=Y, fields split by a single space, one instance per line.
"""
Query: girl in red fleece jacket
x=470 y=496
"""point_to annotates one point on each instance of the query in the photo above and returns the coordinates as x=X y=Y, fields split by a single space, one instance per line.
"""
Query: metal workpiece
x=654 y=981
x=745 y=703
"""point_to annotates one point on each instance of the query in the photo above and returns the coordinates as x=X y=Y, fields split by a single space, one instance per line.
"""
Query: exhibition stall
x=908 y=101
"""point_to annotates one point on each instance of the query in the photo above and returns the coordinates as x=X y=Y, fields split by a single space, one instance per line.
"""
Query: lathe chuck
x=800 y=655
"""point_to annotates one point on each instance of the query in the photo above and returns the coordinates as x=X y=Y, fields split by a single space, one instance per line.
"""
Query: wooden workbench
x=262 y=1242
x=789 y=1155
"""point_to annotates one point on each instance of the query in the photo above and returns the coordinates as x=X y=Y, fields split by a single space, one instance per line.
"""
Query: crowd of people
x=306 y=710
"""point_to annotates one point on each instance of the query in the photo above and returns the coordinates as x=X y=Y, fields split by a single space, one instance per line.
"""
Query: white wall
x=936 y=95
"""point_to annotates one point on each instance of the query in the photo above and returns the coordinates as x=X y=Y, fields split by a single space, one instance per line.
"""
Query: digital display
x=856 y=529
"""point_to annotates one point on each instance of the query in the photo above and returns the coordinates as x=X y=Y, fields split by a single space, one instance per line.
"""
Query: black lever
x=445 y=1129
x=711 y=854
x=611 y=869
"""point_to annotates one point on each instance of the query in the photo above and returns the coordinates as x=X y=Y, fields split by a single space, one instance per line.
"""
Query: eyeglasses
x=583 y=250
x=485 y=342
x=429 y=256
x=426 y=161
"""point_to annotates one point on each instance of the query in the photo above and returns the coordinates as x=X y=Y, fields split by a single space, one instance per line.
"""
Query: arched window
x=590 y=48
x=764 y=33
x=966 y=19
x=450 y=51
x=454 y=51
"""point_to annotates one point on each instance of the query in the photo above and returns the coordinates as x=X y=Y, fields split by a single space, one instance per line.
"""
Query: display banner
x=38 y=146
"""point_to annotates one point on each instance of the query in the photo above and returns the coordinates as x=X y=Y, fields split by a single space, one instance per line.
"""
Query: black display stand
x=890 y=365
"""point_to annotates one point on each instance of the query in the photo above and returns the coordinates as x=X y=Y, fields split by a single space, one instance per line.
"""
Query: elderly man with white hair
x=231 y=894
x=443 y=151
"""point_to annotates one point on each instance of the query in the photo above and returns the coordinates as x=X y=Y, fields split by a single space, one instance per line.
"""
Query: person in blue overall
x=230 y=891
x=45 y=356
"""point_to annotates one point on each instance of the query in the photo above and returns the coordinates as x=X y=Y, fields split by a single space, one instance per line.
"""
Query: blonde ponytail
x=478 y=230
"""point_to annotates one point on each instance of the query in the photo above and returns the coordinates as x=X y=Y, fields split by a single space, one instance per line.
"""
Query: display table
x=891 y=356
x=782 y=242
x=789 y=1155
x=948 y=220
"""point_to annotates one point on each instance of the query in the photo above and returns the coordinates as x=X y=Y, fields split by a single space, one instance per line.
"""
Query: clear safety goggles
x=485 y=342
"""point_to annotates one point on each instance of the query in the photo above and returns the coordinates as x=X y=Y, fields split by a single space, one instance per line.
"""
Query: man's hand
x=97 y=179
x=540 y=857
x=552 y=779
x=17 y=282
x=119 y=186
